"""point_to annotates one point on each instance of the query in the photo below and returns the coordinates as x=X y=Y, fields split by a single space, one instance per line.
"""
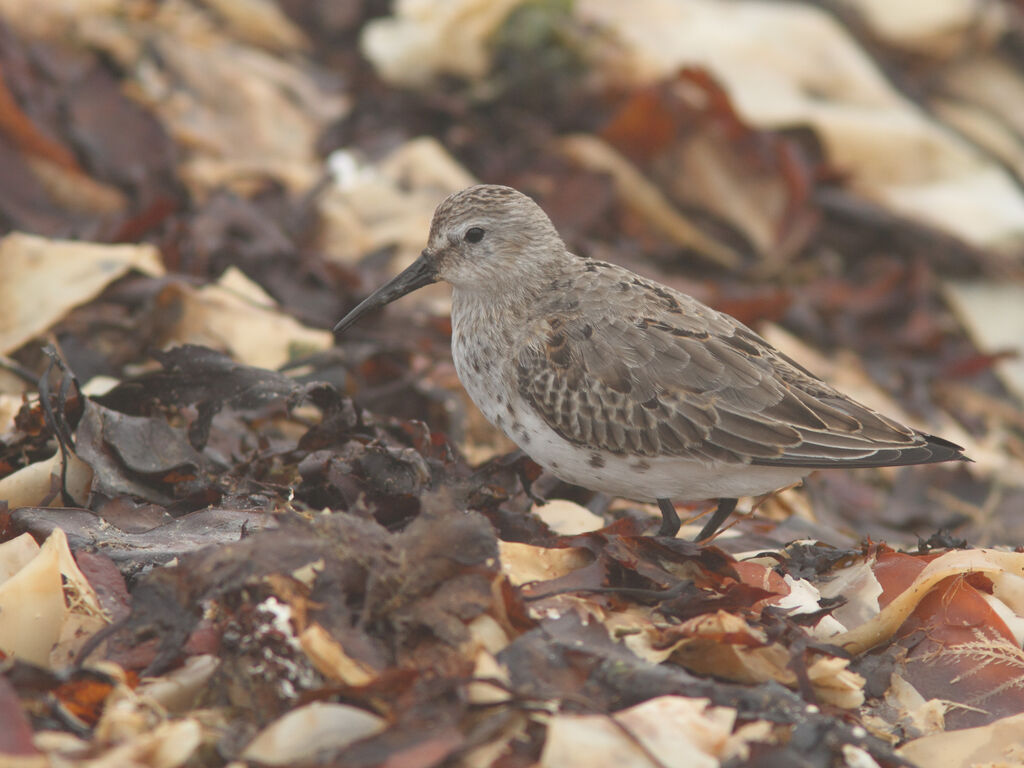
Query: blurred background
x=844 y=176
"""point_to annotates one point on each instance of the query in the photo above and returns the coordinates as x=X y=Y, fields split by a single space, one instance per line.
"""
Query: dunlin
x=620 y=384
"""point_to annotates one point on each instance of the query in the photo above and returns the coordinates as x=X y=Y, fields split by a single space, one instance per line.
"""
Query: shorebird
x=620 y=384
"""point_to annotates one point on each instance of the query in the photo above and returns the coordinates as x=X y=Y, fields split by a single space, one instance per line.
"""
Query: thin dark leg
x=669 y=518
x=725 y=508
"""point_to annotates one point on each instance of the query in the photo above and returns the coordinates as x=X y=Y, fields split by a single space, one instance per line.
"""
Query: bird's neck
x=513 y=300
x=495 y=308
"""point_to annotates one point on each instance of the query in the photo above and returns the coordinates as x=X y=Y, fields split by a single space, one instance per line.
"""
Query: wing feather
x=660 y=374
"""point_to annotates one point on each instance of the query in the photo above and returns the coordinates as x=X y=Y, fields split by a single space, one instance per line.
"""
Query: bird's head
x=487 y=240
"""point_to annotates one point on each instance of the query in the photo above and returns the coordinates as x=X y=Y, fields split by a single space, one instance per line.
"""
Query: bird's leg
x=724 y=509
x=669 y=518
x=527 y=471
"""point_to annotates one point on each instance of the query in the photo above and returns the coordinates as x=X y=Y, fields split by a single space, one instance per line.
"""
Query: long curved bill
x=421 y=272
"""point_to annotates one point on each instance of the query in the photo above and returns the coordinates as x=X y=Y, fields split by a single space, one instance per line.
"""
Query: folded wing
x=663 y=375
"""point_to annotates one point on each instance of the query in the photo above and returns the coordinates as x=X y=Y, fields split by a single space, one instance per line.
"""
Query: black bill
x=421 y=272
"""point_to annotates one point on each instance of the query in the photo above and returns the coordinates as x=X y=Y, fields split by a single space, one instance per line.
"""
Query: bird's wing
x=635 y=368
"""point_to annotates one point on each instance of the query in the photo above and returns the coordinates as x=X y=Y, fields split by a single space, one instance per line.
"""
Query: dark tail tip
x=944 y=450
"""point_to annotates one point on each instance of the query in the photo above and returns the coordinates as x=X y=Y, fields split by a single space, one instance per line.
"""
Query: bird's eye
x=474 y=235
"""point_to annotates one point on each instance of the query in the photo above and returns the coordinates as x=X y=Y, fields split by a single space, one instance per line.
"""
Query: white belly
x=645 y=478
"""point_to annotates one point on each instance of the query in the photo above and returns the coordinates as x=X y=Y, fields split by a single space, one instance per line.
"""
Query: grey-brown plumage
x=623 y=385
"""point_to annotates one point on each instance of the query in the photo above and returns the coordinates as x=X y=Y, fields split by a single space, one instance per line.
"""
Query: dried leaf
x=305 y=731
x=44 y=279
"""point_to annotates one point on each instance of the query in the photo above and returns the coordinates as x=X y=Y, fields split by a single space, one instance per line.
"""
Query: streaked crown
x=488 y=237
